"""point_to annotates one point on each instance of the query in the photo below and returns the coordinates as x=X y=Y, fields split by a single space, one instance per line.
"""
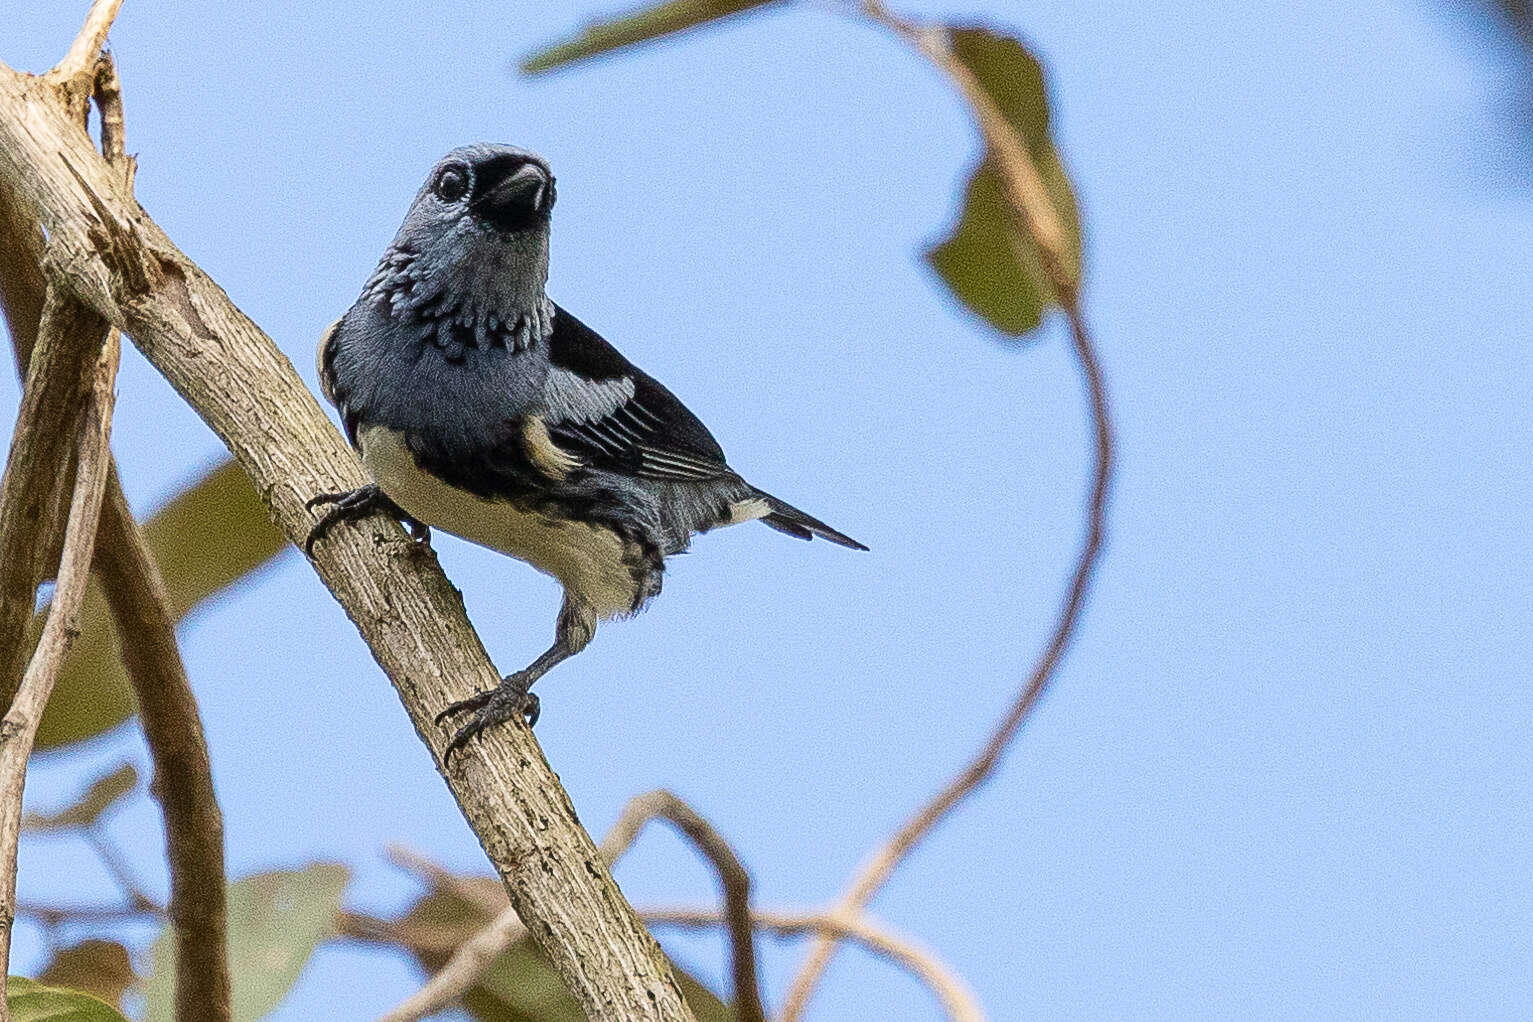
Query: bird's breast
x=592 y=562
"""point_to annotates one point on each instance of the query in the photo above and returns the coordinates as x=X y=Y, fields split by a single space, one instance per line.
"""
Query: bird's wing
x=607 y=412
x=329 y=385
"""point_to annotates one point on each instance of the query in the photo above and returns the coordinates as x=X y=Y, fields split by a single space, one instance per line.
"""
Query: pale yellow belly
x=588 y=561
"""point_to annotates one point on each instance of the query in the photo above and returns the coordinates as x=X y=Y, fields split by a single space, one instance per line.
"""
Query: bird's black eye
x=451 y=183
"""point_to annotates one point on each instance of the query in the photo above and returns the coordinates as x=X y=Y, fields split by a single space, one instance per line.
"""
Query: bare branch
x=38 y=471
x=736 y=883
x=1036 y=217
x=19 y=727
x=81 y=57
x=950 y=990
x=183 y=776
x=119 y=261
x=113 y=862
x=58 y=915
x=469 y=963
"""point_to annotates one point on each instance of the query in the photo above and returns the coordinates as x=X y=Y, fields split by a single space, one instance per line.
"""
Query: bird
x=481 y=407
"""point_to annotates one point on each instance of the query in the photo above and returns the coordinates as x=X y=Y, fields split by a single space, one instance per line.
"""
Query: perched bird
x=482 y=408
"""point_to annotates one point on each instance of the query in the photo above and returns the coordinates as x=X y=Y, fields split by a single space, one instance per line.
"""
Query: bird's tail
x=786 y=518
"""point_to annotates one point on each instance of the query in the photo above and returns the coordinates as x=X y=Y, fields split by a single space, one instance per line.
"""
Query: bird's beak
x=528 y=188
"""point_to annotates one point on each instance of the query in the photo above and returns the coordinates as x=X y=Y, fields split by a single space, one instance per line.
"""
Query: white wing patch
x=569 y=397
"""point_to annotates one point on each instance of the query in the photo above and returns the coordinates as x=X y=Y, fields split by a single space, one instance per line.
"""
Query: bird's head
x=484 y=191
x=476 y=235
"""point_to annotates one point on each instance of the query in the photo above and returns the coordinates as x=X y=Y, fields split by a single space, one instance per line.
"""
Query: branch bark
x=1035 y=217
x=120 y=263
x=19 y=726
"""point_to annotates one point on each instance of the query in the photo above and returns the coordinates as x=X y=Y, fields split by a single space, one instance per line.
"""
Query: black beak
x=523 y=189
x=518 y=200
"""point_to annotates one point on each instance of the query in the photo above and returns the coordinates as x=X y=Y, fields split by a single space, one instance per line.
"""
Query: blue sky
x=1285 y=769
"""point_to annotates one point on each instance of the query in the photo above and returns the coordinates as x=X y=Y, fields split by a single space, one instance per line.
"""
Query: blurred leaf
x=29 y=1001
x=276 y=920
x=649 y=23
x=101 y=968
x=521 y=985
x=990 y=265
x=88 y=808
x=208 y=537
x=1011 y=75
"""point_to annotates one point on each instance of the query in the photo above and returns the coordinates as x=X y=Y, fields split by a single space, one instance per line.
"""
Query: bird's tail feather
x=786 y=518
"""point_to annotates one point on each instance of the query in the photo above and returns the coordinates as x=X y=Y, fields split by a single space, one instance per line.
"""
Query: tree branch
x=950 y=990
x=183 y=776
x=38 y=471
x=468 y=963
x=736 y=883
x=81 y=57
x=1036 y=218
x=19 y=726
x=121 y=263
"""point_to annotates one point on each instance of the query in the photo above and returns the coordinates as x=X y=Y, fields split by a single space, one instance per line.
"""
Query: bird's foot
x=512 y=698
x=349 y=505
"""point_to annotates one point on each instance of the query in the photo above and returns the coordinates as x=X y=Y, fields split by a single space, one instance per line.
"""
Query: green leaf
x=87 y=809
x=100 y=968
x=276 y=920
x=29 y=1001
x=208 y=537
x=987 y=261
x=649 y=23
x=1011 y=75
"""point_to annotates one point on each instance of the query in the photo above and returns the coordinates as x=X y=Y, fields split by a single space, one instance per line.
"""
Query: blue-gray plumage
x=482 y=408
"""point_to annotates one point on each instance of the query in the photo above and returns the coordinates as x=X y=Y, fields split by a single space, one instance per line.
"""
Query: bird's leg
x=350 y=505
x=513 y=696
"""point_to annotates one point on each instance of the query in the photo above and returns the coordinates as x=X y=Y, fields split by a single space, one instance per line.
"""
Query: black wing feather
x=653 y=434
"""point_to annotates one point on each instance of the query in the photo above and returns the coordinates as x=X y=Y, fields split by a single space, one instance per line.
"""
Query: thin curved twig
x=950 y=990
x=1036 y=218
x=735 y=881
x=475 y=955
x=19 y=726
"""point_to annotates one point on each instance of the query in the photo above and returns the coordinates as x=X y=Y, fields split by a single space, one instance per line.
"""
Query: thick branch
x=954 y=994
x=1034 y=212
x=411 y=617
x=19 y=727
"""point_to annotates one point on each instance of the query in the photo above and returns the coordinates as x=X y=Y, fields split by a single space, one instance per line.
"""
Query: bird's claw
x=349 y=505
x=510 y=699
